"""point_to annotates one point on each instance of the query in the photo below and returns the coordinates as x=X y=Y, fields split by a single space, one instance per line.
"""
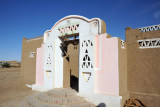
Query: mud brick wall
x=122 y=60
x=28 y=64
x=143 y=67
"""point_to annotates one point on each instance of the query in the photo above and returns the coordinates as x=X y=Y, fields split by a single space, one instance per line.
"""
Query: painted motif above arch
x=70 y=25
x=69 y=28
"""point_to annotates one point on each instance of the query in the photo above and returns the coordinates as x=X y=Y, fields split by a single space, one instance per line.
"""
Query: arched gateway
x=85 y=30
x=78 y=53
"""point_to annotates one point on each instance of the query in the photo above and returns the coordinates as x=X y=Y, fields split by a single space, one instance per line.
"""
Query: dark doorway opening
x=73 y=82
x=70 y=54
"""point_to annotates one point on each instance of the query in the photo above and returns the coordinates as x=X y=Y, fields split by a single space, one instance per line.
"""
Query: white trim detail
x=149 y=43
x=78 y=17
x=150 y=28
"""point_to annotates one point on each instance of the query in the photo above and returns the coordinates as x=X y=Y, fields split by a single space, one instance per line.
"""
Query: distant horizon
x=31 y=18
x=9 y=60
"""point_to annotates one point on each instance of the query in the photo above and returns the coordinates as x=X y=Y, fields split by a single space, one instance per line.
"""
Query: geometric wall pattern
x=86 y=59
x=86 y=76
x=69 y=29
x=149 y=43
x=150 y=28
x=49 y=60
x=87 y=43
x=86 y=62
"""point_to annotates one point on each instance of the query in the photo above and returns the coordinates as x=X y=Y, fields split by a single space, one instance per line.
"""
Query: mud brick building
x=77 y=52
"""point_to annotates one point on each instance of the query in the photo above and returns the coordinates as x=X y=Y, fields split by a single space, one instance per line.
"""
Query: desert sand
x=12 y=88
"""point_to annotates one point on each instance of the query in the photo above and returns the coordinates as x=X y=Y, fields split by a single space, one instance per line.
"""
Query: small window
x=31 y=54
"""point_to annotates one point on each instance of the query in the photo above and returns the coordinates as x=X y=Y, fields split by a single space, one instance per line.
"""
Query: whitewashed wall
x=87 y=29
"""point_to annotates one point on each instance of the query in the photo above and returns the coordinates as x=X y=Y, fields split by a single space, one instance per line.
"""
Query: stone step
x=62 y=92
x=43 y=97
x=53 y=99
x=33 y=102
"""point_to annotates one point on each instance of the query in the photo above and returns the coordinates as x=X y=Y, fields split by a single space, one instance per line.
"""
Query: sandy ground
x=12 y=89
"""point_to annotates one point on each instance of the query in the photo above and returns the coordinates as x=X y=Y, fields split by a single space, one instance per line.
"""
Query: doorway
x=70 y=54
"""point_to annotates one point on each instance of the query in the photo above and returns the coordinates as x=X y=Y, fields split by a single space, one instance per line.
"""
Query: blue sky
x=31 y=18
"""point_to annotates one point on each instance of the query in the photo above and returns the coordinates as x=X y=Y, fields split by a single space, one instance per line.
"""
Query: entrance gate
x=60 y=68
x=70 y=53
x=92 y=60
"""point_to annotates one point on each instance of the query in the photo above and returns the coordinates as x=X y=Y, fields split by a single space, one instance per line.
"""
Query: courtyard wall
x=143 y=66
x=28 y=58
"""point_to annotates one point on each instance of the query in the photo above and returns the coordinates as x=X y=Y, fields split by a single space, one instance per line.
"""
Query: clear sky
x=31 y=18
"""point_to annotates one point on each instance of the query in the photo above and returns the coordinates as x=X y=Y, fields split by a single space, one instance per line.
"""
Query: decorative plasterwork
x=122 y=44
x=77 y=17
x=49 y=60
x=69 y=29
x=86 y=76
x=149 y=43
x=87 y=62
x=87 y=43
x=94 y=24
x=48 y=73
x=87 y=59
x=150 y=28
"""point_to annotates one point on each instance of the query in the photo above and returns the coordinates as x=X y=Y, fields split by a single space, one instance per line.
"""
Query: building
x=77 y=52
x=11 y=63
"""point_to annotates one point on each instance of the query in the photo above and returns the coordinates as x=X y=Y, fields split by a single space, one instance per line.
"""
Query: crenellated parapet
x=150 y=28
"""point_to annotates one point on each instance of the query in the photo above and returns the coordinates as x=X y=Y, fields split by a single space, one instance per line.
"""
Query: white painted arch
x=53 y=61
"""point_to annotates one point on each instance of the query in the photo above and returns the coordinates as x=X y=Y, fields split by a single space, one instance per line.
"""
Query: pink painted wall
x=39 y=66
x=107 y=77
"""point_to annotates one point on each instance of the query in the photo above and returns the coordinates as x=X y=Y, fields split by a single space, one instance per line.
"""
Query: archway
x=68 y=27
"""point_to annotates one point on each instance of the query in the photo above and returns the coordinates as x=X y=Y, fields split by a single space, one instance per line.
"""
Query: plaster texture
x=109 y=73
x=28 y=64
x=143 y=67
x=103 y=100
x=40 y=66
